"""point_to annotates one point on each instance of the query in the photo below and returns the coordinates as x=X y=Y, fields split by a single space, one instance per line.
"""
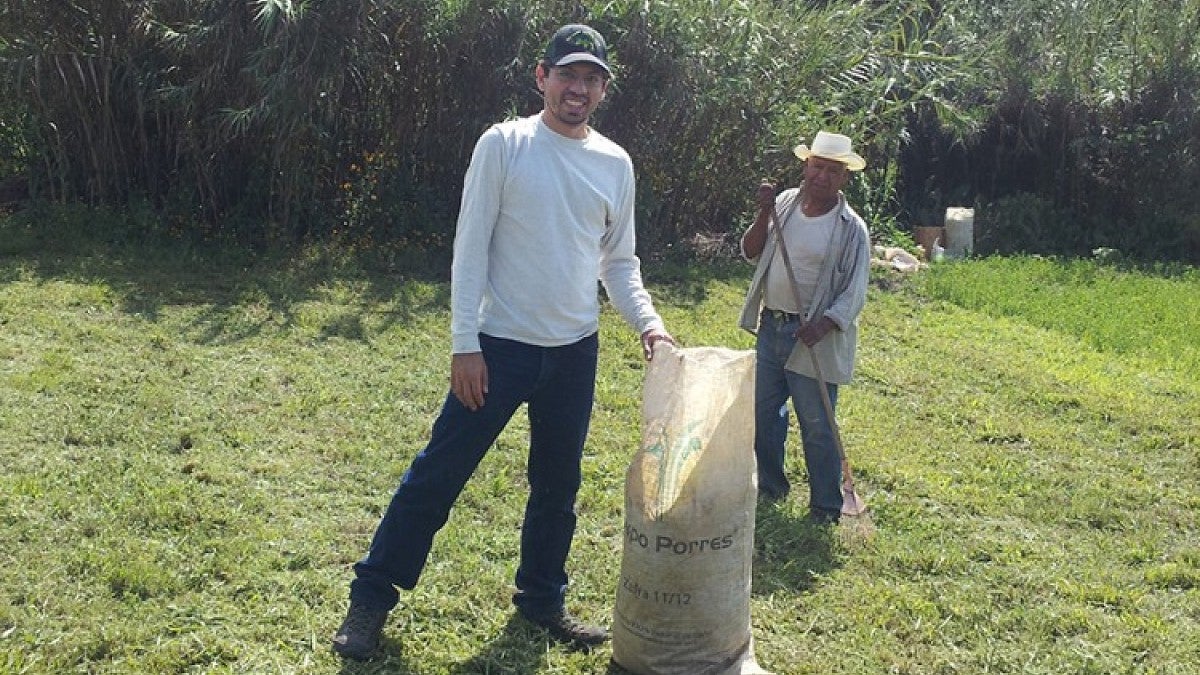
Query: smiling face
x=571 y=93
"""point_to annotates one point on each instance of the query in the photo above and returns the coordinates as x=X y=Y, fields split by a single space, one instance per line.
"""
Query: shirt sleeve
x=477 y=216
x=847 y=305
x=620 y=268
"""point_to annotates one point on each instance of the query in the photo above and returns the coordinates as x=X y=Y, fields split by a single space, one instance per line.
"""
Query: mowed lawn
x=196 y=443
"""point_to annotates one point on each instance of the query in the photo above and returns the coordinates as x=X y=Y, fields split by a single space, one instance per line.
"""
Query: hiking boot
x=359 y=635
x=567 y=629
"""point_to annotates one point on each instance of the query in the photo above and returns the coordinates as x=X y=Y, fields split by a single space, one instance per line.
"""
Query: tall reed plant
x=356 y=119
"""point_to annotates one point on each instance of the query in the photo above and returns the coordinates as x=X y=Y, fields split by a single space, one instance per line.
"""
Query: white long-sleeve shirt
x=543 y=216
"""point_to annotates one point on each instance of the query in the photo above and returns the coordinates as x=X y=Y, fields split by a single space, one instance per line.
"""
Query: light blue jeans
x=773 y=385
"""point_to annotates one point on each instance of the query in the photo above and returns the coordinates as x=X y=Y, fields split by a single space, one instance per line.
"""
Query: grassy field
x=197 y=444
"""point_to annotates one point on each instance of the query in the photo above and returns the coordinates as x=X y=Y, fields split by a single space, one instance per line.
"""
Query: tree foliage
x=285 y=119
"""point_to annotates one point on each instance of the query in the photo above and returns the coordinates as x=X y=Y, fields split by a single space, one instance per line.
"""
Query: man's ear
x=539 y=74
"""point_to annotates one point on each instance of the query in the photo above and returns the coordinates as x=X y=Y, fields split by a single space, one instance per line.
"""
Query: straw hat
x=832 y=146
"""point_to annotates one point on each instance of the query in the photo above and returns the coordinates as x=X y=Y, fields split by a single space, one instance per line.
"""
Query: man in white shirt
x=813 y=306
x=547 y=209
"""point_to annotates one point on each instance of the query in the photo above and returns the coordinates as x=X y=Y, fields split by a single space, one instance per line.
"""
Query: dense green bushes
x=276 y=120
x=1092 y=139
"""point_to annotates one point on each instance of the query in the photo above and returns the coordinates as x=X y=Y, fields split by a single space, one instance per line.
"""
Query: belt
x=780 y=315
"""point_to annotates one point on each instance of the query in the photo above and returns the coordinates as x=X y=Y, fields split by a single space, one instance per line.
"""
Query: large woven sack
x=683 y=600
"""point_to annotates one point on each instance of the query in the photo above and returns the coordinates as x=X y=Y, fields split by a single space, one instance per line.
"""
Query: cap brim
x=577 y=57
x=853 y=160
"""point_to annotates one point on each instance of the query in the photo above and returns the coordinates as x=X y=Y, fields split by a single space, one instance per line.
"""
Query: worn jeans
x=558 y=384
x=773 y=385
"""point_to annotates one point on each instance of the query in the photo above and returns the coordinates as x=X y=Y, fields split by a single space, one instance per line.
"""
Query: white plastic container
x=960 y=232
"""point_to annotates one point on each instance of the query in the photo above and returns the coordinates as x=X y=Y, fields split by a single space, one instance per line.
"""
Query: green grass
x=197 y=444
x=1111 y=308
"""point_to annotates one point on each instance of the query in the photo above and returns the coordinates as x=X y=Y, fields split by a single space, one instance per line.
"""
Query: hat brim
x=852 y=160
x=578 y=57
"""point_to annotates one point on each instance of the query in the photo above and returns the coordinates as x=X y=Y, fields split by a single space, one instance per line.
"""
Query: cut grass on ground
x=196 y=449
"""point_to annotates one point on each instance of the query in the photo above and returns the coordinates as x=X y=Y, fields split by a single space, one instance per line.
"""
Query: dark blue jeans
x=558 y=384
x=773 y=385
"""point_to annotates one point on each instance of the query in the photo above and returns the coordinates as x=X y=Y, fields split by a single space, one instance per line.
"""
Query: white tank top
x=807 y=240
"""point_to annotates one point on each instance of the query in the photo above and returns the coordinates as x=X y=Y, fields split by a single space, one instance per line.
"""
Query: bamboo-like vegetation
x=1068 y=125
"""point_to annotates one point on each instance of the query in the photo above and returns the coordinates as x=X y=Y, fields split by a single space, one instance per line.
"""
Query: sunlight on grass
x=1113 y=309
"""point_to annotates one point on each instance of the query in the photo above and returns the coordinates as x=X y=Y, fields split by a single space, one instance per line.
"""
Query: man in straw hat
x=813 y=306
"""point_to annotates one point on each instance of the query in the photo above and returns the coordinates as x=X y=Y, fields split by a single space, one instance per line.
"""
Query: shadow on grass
x=389 y=659
x=241 y=289
x=146 y=272
x=517 y=649
x=791 y=552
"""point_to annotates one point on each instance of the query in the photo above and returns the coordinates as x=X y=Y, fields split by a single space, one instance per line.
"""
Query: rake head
x=852 y=504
